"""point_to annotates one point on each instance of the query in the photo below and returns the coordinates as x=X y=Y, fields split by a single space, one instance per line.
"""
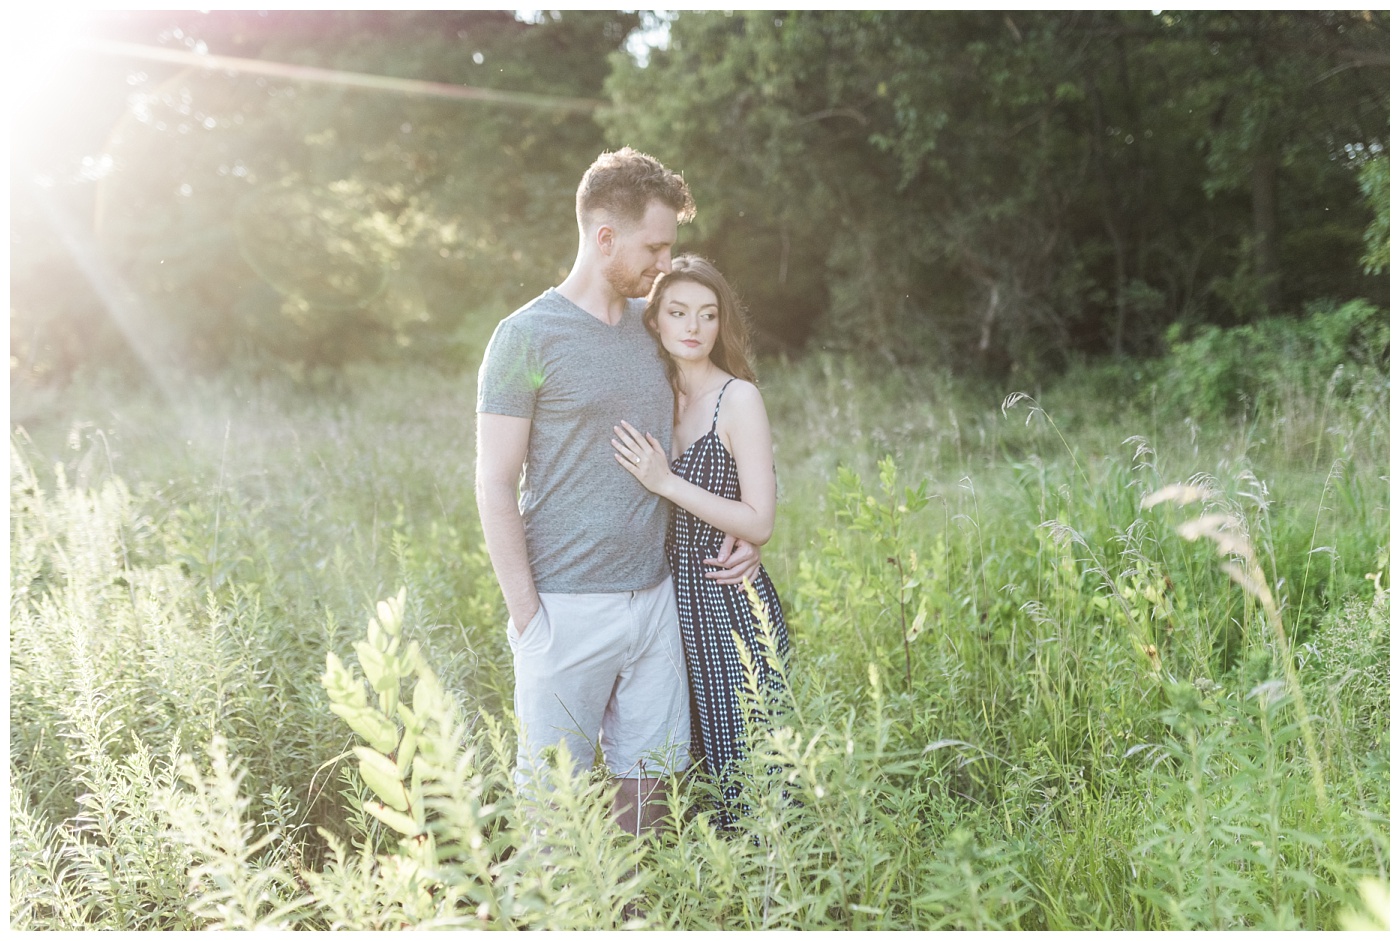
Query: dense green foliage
x=1023 y=697
x=1014 y=187
x=978 y=190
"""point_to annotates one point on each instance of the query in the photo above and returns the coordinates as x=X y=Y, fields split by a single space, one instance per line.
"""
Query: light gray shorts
x=603 y=673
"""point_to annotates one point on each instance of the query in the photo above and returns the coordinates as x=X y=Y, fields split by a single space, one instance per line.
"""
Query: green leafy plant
x=1375 y=186
x=884 y=521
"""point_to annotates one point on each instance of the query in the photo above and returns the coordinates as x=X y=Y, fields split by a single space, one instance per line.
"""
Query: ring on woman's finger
x=636 y=460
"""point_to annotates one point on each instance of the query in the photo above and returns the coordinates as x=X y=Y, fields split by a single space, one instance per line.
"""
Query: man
x=580 y=552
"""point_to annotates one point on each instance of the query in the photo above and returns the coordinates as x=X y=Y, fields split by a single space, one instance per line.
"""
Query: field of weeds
x=1060 y=660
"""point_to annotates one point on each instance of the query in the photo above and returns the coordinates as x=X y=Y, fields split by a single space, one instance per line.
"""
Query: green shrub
x=1214 y=371
x=1375 y=187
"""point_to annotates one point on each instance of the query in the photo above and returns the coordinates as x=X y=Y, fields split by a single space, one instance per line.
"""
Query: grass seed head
x=1180 y=494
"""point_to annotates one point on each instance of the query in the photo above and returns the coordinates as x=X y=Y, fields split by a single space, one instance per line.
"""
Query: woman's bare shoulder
x=743 y=407
x=744 y=394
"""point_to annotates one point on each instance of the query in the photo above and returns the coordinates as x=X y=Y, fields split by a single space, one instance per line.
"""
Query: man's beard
x=626 y=283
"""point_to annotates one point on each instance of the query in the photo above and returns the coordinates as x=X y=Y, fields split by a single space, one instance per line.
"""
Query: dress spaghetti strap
x=715 y=420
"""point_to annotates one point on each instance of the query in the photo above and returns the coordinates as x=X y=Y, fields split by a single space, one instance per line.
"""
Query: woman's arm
x=745 y=431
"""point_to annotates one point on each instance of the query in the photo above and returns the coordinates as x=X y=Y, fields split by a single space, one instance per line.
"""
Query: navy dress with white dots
x=710 y=614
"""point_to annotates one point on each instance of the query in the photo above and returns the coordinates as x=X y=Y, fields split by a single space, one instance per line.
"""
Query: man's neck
x=594 y=294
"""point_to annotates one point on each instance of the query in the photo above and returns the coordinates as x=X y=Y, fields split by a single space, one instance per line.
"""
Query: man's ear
x=605 y=237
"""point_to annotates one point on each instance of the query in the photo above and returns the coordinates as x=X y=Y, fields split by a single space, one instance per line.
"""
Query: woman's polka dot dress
x=710 y=614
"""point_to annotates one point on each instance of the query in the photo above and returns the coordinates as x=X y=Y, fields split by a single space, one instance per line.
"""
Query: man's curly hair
x=623 y=183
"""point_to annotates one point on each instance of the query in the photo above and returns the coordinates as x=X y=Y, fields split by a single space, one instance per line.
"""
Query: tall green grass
x=1021 y=697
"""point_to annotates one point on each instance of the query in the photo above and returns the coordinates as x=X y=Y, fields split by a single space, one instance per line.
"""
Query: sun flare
x=42 y=50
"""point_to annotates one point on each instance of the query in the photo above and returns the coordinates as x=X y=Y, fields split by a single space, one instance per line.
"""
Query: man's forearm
x=504 y=532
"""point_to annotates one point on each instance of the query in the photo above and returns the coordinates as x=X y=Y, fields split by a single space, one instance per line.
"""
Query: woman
x=721 y=480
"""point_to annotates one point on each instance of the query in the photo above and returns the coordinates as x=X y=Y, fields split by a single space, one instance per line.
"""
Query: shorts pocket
x=537 y=626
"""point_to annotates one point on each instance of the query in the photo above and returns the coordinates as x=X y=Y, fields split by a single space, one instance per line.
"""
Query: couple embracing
x=625 y=482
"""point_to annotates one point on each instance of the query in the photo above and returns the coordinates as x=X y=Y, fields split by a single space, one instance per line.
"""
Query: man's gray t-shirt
x=589 y=525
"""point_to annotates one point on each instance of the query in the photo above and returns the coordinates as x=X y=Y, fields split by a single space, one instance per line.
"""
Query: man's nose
x=664 y=262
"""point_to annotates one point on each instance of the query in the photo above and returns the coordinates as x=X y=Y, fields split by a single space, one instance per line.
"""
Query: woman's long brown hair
x=731 y=352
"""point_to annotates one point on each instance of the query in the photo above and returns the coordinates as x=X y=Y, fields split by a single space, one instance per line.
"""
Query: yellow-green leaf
x=372 y=726
x=394 y=819
x=382 y=776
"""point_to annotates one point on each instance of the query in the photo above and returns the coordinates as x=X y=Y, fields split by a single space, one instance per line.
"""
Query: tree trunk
x=1264 y=179
x=1108 y=201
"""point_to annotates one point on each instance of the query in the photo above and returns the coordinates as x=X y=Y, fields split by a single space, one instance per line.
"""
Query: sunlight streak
x=306 y=73
x=118 y=300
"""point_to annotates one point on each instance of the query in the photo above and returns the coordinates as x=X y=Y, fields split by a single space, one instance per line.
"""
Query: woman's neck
x=695 y=379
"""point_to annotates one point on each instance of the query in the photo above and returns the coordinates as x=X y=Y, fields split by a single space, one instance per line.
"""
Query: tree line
x=983 y=190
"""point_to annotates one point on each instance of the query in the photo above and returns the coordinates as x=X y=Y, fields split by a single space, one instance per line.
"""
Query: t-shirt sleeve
x=510 y=375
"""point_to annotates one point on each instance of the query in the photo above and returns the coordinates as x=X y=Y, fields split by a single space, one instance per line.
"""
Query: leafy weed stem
x=898 y=563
